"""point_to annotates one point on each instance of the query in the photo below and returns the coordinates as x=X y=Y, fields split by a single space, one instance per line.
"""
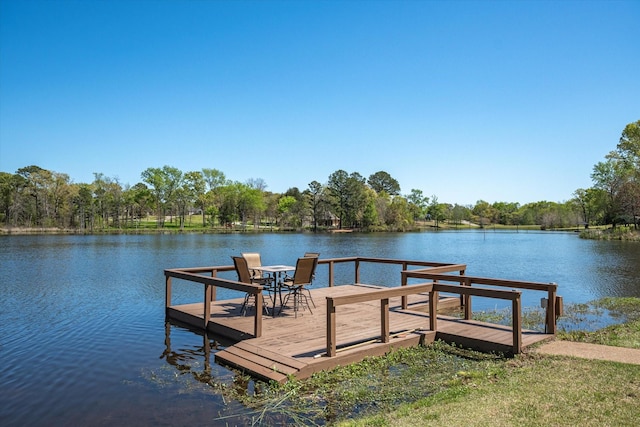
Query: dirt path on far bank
x=591 y=351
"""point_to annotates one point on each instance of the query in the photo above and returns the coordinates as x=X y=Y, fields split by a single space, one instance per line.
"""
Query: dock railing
x=210 y=284
x=357 y=261
x=553 y=306
x=207 y=276
x=514 y=296
x=433 y=271
x=383 y=296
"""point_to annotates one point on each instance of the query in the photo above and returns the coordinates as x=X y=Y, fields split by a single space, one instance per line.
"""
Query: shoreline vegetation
x=149 y=226
x=37 y=197
x=443 y=384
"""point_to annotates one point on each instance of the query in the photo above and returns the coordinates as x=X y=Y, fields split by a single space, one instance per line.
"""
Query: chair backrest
x=304 y=270
x=242 y=269
x=315 y=255
x=253 y=260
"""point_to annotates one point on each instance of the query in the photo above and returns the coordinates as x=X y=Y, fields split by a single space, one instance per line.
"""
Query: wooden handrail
x=383 y=295
x=440 y=268
x=405 y=263
x=467 y=281
x=210 y=283
x=514 y=296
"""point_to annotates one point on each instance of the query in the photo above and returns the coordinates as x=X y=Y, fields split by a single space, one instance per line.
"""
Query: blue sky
x=496 y=100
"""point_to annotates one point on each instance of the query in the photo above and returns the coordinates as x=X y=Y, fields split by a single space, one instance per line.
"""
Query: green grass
x=529 y=391
x=623 y=334
x=536 y=390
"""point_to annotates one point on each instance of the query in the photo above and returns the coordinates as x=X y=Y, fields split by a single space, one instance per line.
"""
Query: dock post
x=551 y=309
x=516 y=308
x=330 y=273
x=331 y=328
x=214 y=273
x=384 y=320
x=433 y=310
x=167 y=291
x=403 y=282
x=467 y=301
x=207 y=305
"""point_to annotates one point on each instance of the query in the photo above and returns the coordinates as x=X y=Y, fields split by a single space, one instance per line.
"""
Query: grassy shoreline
x=442 y=384
x=537 y=390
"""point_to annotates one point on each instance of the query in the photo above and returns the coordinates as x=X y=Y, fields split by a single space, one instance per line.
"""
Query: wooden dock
x=297 y=346
x=350 y=322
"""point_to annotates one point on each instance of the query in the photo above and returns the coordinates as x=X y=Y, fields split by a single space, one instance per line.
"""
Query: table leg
x=275 y=292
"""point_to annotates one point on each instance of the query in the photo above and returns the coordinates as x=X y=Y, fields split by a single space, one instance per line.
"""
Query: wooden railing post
x=433 y=310
x=330 y=273
x=214 y=273
x=257 y=320
x=357 y=272
x=207 y=305
x=551 y=310
x=403 y=282
x=516 y=308
x=384 y=320
x=462 y=296
x=467 y=301
x=331 y=328
x=167 y=291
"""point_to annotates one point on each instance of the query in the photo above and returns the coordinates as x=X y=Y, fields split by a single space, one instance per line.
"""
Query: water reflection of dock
x=353 y=321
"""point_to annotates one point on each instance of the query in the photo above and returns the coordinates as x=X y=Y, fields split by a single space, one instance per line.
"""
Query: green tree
x=629 y=145
x=628 y=198
x=239 y=202
x=356 y=201
x=460 y=213
x=338 y=185
x=7 y=188
x=164 y=183
x=212 y=202
x=418 y=203
x=33 y=188
x=316 y=199
x=398 y=214
x=609 y=176
x=286 y=206
x=195 y=187
x=483 y=213
x=436 y=210
x=504 y=212
x=382 y=181
x=590 y=203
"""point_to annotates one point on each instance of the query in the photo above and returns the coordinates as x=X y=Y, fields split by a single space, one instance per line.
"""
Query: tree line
x=35 y=197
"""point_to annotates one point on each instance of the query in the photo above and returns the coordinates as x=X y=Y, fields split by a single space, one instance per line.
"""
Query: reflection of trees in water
x=184 y=359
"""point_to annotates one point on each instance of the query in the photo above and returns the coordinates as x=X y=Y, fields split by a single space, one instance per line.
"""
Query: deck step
x=226 y=357
x=265 y=364
x=280 y=359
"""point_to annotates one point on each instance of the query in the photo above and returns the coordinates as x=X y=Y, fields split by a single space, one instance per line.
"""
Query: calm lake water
x=83 y=338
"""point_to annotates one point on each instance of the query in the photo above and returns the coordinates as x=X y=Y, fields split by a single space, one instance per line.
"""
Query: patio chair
x=315 y=255
x=296 y=285
x=244 y=276
x=253 y=260
x=257 y=276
